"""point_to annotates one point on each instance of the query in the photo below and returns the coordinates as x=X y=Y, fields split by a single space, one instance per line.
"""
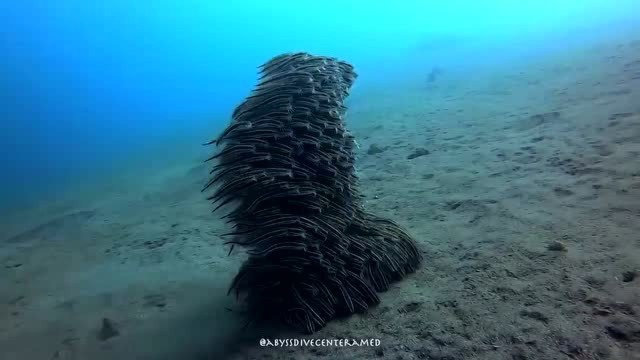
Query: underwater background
x=490 y=129
x=85 y=84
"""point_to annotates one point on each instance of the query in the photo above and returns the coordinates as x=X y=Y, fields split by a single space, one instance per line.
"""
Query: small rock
x=623 y=333
x=536 y=315
x=154 y=244
x=591 y=300
x=602 y=311
x=624 y=328
x=410 y=307
x=375 y=149
x=575 y=349
x=155 y=300
x=418 y=152
x=623 y=307
x=518 y=354
x=16 y=300
x=557 y=246
x=562 y=192
x=108 y=330
x=629 y=276
x=423 y=354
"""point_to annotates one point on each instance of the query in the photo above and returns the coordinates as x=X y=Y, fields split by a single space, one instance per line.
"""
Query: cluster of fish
x=287 y=163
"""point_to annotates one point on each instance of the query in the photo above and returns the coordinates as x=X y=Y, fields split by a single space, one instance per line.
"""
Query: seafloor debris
x=107 y=330
x=556 y=246
x=376 y=149
x=417 y=153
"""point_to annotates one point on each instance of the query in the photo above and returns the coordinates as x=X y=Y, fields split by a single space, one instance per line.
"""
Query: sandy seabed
x=521 y=184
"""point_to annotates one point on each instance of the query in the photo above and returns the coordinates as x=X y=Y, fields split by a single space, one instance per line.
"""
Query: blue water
x=85 y=84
